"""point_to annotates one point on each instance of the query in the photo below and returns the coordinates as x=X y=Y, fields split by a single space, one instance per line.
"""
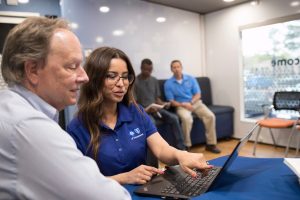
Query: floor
x=262 y=150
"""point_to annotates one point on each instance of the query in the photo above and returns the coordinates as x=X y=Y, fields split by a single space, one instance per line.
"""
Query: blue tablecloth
x=250 y=179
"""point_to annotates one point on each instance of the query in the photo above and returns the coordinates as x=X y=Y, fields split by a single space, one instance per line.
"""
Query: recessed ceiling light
x=295 y=3
x=104 y=9
x=228 y=0
x=161 y=19
x=118 y=33
x=254 y=3
x=23 y=1
x=87 y=52
x=73 y=25
x=99 y=39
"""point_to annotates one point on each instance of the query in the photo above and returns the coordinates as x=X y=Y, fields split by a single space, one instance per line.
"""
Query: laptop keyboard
x=190 y=186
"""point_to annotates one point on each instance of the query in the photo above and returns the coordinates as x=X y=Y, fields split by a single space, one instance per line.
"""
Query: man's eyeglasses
x=114 y=78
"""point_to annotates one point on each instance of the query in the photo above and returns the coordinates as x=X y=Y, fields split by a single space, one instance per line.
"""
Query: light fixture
x=118 y=32
x=87 y=52
x=99 y=39
x=23 y=1
x=254 y=3
x=104 y=9
x=73 y=25
x=161 y=19
x=228 y=0
x=294 y=3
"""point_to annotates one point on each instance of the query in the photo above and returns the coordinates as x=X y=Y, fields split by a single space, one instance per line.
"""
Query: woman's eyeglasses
x=114 y=78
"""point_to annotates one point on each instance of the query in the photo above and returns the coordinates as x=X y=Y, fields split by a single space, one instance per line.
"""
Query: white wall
x=223 y=61
x=180 y=37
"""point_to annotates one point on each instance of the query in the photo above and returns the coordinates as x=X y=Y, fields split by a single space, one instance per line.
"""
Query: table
x=249 y=179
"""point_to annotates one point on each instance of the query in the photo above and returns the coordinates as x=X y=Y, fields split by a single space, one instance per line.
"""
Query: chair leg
x=256 y=139
x=289 y=142
x=273 y=138
x=298 y=144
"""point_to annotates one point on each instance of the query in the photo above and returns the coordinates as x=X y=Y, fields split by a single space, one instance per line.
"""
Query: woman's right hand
x=139 y=175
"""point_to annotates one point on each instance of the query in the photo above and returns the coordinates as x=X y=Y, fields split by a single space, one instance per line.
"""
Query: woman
x=111 y=128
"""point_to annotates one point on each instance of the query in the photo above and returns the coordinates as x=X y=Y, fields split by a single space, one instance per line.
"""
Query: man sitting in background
x=147 y=92
x=183 y=91
x=41 y=64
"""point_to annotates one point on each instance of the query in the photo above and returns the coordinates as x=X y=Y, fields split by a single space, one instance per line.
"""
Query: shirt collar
x=183 y=78
x=124 y=114
x=36 y=102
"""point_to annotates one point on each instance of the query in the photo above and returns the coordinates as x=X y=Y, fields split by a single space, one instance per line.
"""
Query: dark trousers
x=173 y=120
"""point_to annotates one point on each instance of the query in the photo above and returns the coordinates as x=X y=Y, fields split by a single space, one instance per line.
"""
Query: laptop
x=176 y=184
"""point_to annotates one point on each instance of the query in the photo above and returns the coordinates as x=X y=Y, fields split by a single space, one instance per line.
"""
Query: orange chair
x=289 y=101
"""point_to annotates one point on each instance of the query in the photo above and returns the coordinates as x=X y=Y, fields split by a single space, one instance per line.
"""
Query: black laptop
x=176 y=184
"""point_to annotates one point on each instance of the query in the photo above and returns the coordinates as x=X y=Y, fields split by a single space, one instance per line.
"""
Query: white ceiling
x=198 y=6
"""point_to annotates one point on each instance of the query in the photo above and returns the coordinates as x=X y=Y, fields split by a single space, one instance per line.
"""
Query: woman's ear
x=31 y=69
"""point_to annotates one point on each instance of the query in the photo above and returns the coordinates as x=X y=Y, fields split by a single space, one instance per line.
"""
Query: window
x=271 y=62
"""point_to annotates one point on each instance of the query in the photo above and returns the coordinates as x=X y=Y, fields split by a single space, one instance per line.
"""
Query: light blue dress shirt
x=39 y=160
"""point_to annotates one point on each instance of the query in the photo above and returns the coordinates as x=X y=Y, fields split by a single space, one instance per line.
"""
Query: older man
x=38 y=160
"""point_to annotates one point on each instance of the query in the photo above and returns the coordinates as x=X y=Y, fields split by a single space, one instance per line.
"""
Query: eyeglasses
x=114 y=78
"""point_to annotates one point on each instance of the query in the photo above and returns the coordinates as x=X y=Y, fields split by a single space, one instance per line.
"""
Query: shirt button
x=117 y=140
x=120 y=149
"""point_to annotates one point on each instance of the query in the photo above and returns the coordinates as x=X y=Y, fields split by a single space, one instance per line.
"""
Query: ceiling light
x=228 y=0
x=295 y=3
x=104 y=9
x=161 y=19
x=87 y=52
x=23 y=1
x=118 y=33
x=73 y=25
x=99 y=39
x=254 y=3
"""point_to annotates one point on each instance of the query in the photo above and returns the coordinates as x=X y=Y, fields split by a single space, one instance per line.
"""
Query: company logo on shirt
x=135 y=133
x=131 y=133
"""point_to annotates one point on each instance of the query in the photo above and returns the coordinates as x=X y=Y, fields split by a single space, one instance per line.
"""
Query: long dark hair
x=90 y=103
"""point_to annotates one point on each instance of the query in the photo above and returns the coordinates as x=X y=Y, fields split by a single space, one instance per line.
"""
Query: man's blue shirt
x=181 y=92
x=121 y=149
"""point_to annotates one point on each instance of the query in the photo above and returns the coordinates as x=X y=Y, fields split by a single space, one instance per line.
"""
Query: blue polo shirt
x=121 y=149
x=181 y=92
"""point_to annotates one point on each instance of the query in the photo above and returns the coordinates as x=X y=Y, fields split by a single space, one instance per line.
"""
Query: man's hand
x=187 y=105
x=167 y=105
x=152 y=110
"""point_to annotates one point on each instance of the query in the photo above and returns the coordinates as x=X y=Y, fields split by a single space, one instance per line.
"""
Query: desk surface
x=250 y=179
